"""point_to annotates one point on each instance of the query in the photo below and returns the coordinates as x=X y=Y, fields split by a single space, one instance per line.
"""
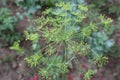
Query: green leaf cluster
x=48 y=68
x=7 y=27
x=100 y=60
x=89 y=74
x=16 y=47
x=105 y=5
x=32 y=6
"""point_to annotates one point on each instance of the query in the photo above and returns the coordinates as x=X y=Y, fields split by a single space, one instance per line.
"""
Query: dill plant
x=66 y=36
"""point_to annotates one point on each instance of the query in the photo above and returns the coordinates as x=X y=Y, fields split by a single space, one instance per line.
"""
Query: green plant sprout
x=16 y=47
x=89 y=74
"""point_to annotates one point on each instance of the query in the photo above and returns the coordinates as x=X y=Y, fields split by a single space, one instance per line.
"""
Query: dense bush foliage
x=7 y=27
x=112 y=6
x=31 y=6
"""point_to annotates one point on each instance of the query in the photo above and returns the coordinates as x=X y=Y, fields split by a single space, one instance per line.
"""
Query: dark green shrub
x=7 y=27
x=31 y=6
x=107 y=6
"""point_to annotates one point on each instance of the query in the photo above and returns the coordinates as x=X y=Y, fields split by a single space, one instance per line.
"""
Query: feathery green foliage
x=66 y=36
